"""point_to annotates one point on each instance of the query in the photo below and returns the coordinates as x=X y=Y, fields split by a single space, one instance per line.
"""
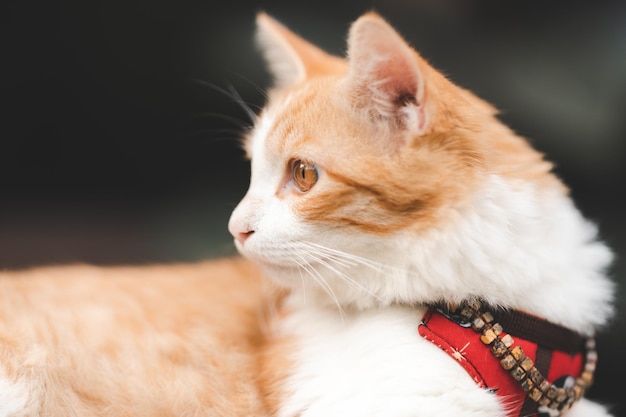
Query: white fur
x=14 y=397
x=374 y=363
x=285 y=64
x=358 y=350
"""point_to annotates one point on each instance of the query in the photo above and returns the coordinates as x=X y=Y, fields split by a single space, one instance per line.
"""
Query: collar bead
x=512 y=358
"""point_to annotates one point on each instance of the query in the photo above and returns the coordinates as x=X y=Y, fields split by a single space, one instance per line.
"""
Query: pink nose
x=241 y=230
x=243 y=236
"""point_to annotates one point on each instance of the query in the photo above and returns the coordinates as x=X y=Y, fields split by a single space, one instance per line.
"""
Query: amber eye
x=304 y=175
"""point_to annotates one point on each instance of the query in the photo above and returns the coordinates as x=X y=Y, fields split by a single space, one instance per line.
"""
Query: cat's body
x=378 y=188
x=153 y=341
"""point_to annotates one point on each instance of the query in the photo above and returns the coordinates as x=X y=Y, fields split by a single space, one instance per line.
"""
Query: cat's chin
x=283 y=276
x=289 y=277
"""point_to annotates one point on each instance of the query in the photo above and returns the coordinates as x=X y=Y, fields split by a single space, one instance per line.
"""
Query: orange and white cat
x=379 y=189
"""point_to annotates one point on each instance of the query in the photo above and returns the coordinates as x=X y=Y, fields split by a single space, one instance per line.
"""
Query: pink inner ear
x=401 y=83
x=394 y=70
x=384 y=67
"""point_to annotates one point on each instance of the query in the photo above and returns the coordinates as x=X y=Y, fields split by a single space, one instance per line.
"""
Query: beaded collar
x=536 y=366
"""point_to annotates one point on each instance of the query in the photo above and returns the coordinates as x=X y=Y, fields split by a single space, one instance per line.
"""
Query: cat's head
x=372 y=176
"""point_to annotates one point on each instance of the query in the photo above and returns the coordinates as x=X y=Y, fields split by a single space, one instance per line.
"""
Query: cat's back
x=150 y=340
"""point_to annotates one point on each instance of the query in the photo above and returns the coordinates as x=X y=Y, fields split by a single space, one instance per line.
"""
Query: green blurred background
x=116 y=145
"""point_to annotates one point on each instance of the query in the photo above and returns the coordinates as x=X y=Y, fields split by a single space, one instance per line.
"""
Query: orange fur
x=275 y=362
x=424 y=183
x=192 y=339
x=150 y=341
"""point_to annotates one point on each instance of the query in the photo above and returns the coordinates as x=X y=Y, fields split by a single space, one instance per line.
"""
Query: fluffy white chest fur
x=374 y=363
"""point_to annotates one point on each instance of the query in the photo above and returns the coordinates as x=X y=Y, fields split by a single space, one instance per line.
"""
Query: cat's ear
x=290 y=58
x=385 y=75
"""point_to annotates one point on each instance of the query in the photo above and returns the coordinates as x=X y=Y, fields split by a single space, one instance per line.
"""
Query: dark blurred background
x=119 y=126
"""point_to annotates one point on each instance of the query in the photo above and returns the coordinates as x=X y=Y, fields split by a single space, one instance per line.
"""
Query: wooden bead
x=517 y=353
x=508 y=362
x=478 y=324
x=535 y=394
x=571 y=395
x=518 y=373
x=544 y=385
x=527 y=364
x=578 y=391
x=527 y=384
x=586 y=377
x=544 y=400
x=487 y=317
x=498 y=349
x=592 y=356
x=537 y=378
x=467 y=313
x=561 y=395
x=507 y=340
x=521 y=367
x=488 y=337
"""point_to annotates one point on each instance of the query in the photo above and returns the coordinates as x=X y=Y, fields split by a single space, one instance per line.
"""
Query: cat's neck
x=515 y=245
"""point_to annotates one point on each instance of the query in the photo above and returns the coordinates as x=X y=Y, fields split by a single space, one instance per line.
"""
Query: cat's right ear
x=290 y=58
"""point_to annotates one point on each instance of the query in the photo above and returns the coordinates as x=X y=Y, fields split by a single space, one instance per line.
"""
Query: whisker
x=340 y=261
x=377 y=266
x=233 y=94
x=257 y=87
x=322 y=282
x=346 y=277
x=232 y=119
x=317 y=277
x=246 y=106
x=300 y=268
x=303 y=285
x=232 y=133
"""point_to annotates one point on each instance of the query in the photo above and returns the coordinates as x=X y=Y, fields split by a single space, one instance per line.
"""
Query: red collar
x=535 y=366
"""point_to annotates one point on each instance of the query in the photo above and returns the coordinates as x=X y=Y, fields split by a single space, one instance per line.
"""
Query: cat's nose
x=243 y=236
x=239 y=228
x=243 y=220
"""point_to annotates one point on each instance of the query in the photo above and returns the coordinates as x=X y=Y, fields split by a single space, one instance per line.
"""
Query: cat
x=384 y=203
x=410 y=229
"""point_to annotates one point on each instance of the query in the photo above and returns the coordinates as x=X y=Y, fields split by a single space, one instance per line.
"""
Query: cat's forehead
x=299 y=119
x=266 y=126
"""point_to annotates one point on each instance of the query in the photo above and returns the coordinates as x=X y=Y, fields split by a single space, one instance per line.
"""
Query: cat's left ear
x=290 y=58
x=385 y=75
